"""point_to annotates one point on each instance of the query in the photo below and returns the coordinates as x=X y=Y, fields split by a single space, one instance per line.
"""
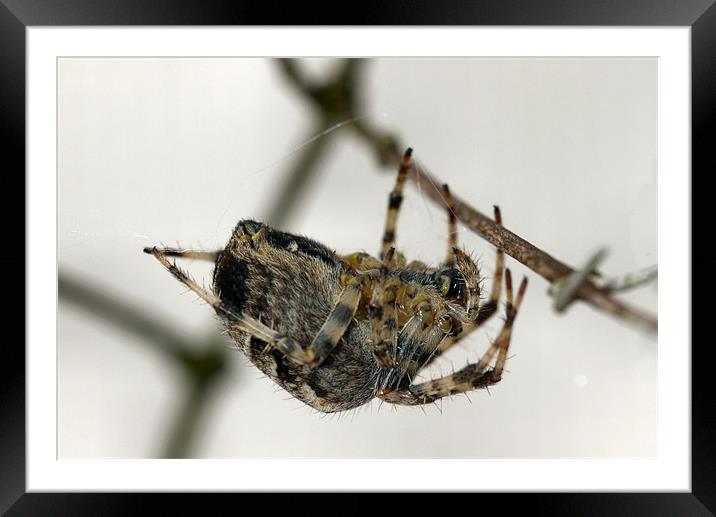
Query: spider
x=336 y=331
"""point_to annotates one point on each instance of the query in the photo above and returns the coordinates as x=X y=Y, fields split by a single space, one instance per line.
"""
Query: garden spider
x=337 y=331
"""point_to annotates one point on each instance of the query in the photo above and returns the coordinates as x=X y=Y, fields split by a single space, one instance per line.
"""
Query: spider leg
x=488 y=309
x=473 y=376
x=381 y=312
x=452 y=227
x=394 y=202
x=337 y=322
x=323 y=343
x=362 y=262
x=189 y=254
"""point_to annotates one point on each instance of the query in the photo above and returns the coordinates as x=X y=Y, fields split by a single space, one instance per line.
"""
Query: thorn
x=498 y=214
x=564 y=289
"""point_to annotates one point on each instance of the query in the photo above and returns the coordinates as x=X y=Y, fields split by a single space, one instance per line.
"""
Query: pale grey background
x=178 y=150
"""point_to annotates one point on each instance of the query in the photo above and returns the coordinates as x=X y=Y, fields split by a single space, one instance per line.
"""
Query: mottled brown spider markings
x=337 y=331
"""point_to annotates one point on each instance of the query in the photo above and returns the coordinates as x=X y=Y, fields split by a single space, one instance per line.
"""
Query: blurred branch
x=194 y=402
x=633 y=280
x=335 y=100
x=203 y=361
x=389 y=151
x=296 y=182
x=564 y=290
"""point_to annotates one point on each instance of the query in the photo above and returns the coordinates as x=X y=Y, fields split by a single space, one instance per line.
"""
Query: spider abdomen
x=291 y=284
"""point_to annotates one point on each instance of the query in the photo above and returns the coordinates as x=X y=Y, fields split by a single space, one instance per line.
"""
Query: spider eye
x=453 y=285
x=457 y=290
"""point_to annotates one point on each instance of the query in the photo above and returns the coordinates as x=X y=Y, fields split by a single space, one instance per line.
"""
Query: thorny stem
x=518 y=248
x=203 y=361
x=388 y=150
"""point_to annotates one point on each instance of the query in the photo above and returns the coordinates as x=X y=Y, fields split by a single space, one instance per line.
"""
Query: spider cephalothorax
x=336 y=331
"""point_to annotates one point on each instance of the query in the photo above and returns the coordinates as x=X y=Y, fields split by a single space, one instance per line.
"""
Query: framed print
x=341 y=183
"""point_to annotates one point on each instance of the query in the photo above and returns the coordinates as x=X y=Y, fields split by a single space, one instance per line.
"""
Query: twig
x=632 y=280
x=537 y=260
x=565 y=289
x=389 y=151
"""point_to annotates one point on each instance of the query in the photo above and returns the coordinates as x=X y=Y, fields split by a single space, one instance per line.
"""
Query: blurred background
x=176 y=151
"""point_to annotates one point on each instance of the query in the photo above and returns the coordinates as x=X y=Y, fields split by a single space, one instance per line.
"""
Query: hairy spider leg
x=490 y=307
x=381 y=312
x=325 y=340
x=452 y=226
x=487 y=310
x=211 y=256
x=394 y=201
x=360 y=261
x=473 y=376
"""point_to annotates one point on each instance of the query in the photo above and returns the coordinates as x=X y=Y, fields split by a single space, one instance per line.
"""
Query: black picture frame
x=17 y=15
